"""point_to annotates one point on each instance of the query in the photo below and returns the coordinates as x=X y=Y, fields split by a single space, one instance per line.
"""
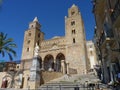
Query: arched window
x=73 y=31
x=73 y=40
x=28 y=42
x=29 y=34
x=27 y=49
x=72 y=23
x=73 y=12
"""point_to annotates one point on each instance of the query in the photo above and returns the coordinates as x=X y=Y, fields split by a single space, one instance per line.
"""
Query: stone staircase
x=61 y=86
x=70 y=82
x=76 y=78
x=73 y=82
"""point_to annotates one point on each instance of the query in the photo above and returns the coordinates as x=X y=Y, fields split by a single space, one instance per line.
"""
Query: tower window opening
x=28 y=42
x=73 y=31
x=29 y=34
x=39 y=35
x=27 y=49
x=73 y=40
x=72 y=13
x=73 y=23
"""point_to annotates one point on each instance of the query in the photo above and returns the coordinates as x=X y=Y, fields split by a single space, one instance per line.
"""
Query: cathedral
x=70 y=48
x=58 y=56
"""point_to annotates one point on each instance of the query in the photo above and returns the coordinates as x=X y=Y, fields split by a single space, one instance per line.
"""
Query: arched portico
x=59 y=58
x=49 y=63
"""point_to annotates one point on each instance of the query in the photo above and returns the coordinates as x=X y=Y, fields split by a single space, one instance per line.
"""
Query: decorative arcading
x=53 y=42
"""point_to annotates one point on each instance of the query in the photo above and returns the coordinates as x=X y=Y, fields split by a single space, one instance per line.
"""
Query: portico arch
x=59 y=57
x=49 y=62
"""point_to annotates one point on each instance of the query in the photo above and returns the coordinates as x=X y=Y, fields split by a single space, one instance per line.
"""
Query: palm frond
x=5 y=36
x=10 y=56
x=12 y=45
x=10 y=50
x=3 y=53
x=6 y=45
x=10 y=40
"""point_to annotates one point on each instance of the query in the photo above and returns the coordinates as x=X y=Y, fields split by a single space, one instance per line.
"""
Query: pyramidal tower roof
x=73 y=5
x=35 y=19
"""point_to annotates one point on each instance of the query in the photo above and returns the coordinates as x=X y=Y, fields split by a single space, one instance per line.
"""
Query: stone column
x=67 y=63
x=51 y=62
x=42 y=65
x=63 y=66
x=54 y=65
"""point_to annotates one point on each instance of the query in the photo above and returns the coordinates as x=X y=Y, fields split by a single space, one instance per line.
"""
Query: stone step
x=76 y=78
x=72 y=82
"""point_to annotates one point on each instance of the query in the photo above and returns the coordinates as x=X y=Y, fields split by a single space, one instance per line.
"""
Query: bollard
x=60 y=87
x=76 y=88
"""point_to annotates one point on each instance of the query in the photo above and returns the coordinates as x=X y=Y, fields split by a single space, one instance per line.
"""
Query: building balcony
x=115 y=16
x=106 y=37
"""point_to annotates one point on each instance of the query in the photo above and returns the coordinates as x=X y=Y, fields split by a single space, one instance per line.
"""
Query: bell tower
x=32 y=36
x=76 y=53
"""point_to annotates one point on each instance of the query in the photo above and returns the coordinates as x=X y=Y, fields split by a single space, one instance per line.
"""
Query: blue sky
x=15 y=16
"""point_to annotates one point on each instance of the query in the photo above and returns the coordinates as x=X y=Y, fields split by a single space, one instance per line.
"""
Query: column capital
x=67 y=62
x=62 y=60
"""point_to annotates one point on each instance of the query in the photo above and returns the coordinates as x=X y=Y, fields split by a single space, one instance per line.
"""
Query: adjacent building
x=107 y=34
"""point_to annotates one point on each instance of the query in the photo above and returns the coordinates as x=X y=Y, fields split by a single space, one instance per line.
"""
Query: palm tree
x=6 y=46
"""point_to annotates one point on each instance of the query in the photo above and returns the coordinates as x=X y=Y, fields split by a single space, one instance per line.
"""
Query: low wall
x=46 y=76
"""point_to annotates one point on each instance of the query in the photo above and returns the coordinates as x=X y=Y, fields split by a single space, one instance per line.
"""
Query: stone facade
x=71 y=47
x=107 y=34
